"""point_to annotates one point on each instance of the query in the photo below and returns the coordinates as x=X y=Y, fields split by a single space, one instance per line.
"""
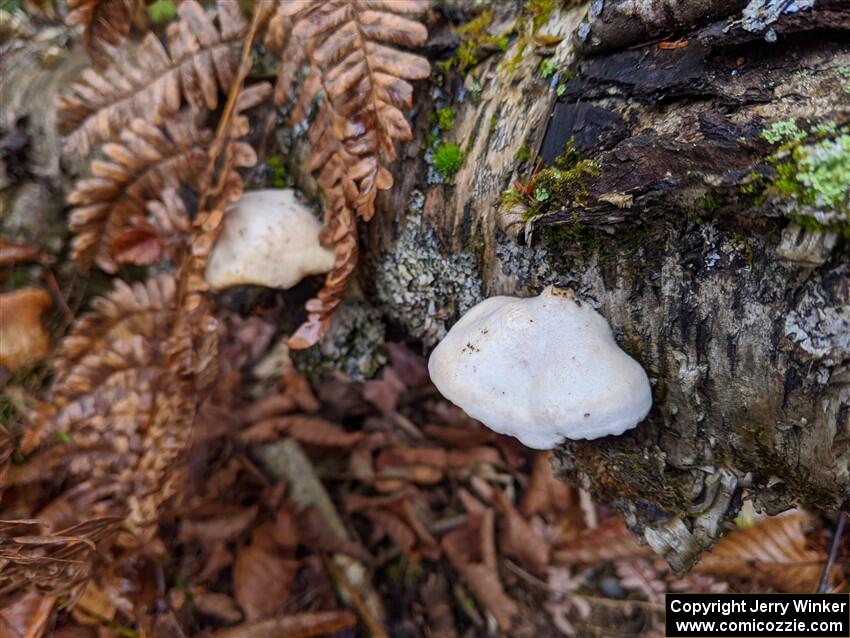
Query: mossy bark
x=681 y=239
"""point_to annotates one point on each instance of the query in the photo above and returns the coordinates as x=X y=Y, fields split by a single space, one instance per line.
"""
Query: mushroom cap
x=269 y=239
x=541 y=369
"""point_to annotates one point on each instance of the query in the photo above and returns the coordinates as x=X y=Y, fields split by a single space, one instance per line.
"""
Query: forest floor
x=324 y=507
x=377 y=508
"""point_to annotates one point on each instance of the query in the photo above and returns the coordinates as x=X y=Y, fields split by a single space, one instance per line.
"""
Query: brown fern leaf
x=153 y=81
x=351 y=48
x=54 y=563
x=772 y=553
x=105 y=367
x=106 y=24
x=147 y=160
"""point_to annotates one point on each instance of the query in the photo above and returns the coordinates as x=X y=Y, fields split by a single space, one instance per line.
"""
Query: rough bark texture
x=733 y=295
x=739 y=315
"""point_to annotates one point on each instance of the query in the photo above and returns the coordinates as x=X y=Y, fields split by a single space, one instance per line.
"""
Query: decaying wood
x=739 y=316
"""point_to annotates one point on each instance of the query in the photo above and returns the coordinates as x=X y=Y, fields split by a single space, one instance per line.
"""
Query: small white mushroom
x=269 y=239
x=541 y=369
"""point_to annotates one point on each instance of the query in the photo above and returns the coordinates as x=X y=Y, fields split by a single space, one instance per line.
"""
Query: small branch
x=596 y=600
x=823 y=585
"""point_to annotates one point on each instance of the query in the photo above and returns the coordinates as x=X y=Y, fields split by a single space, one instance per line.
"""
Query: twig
x=261 y=13
x=57 y=292
x=597 y=600
x=823 y=584
x=376 y=629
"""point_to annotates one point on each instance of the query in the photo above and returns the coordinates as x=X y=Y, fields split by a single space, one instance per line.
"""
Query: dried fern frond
x=105 y=368
x=350 y=46
x=773 y=553
x=106 y=24
x=163 y=232
x=54 y=563
x=154 y=80
x=147 y=160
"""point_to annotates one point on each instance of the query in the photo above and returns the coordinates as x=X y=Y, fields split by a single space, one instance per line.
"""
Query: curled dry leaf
x=23 y=338
x=350 y=46
x=139 y=246
x=610 y=541
x=316 y=534
x=262 y=581
x=216 y=604
x=470 y=549
x=391 y=457
x=305 y=429
x=146 y=160
x=12 y=253
x=105 y=24
x=387 y=524
x=518 y=538
x=225 y=526
x=153 y=81
x=773 y=552
x=27 y=616
x=305 y=625
x=545 y=494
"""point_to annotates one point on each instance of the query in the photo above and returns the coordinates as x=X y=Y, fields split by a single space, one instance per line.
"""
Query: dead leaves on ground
x=23 y=337
x=774 y=552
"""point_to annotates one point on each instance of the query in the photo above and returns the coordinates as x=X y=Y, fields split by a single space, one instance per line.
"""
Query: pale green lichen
x=426 y=288
x=824 y=170
x=783 y=131
x=354 y=345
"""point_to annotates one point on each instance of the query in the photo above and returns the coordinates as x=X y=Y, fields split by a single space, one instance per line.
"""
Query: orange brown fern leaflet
x=351 y=49
x=152 y=81
x=106 y=24
x=131 y=374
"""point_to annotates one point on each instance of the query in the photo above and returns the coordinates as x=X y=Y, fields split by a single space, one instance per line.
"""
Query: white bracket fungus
x=541 y=369
x=269 y=239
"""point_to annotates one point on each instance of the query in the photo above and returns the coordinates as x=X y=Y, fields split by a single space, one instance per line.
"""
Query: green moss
x=825 y=129
x=474 y=37
x=448 y=158
x=279 y=177
x=63 y=438
x=539 y=11
x=523 y=154
x=445 y=118
x=710 y=202
x=548 y=67
x=162 y=11
x=815 y=174
x=783 y=131
x=511 y=197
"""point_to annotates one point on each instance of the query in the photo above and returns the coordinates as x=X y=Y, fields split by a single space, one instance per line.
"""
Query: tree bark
x=739 y=315
x=733 y=294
